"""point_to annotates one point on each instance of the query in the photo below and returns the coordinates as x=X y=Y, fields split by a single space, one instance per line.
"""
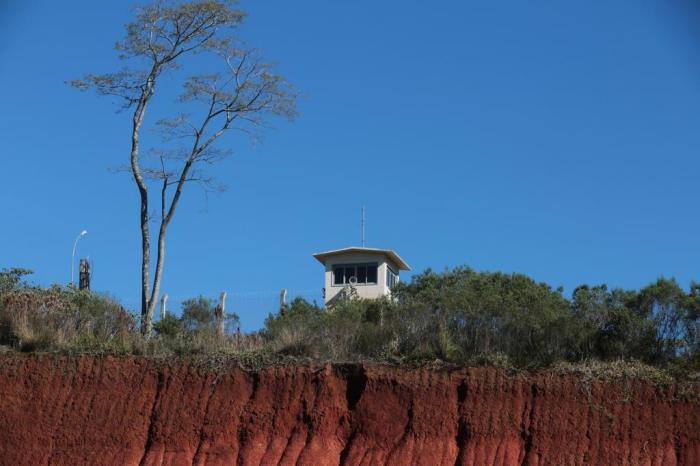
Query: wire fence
x=252 y=307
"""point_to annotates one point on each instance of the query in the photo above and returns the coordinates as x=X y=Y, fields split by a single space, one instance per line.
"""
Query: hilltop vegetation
x=466 y=317
x=459 y=316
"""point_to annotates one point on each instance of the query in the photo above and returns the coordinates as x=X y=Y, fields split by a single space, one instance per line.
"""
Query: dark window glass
x=337 y=275
x=349 y=273
x=371 y=274
x=361 y=274
x=391 y=278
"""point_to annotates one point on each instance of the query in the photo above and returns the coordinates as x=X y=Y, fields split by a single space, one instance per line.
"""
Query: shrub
x=294 y=331
x=194 y=332
x=458 y=316
x=41 y=319
x=467 y=317
x=12 y=279
x=169 y=326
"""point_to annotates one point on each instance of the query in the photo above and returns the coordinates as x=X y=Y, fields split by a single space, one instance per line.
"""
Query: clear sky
x=557 y=139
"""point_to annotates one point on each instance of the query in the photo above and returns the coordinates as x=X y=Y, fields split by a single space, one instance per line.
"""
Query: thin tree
x=243 y=93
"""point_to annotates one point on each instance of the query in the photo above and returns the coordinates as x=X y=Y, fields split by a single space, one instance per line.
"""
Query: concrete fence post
x=163 y=303
x=283 y=301
x=220 y=314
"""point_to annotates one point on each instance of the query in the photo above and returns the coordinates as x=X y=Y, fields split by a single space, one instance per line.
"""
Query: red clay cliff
x=132 y=411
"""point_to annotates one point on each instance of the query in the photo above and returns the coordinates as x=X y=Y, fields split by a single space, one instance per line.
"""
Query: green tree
x=199 y=313
x=486 y=312
x=12 y=278
x=673 y=315
x=296 y=331
x=240 y=91
x=611 y=328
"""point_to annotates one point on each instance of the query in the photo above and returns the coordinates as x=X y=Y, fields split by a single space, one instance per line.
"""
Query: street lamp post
x=72 y=262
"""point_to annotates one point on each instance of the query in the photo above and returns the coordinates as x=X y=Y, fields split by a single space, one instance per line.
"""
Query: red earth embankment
x=128 y=411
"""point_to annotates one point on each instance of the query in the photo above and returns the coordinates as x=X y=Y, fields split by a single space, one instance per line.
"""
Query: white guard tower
x=361 y=272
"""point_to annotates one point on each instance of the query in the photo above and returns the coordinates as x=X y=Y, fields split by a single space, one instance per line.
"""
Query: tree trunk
x=148 y=305
x=160 y=260
x=146 y=316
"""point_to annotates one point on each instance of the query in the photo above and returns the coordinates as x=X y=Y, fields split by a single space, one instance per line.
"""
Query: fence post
x=163 y=303
x=220 y=313
x=283 y=301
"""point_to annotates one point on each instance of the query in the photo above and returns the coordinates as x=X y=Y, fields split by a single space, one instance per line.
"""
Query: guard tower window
x=358 y=274
x=392 y=278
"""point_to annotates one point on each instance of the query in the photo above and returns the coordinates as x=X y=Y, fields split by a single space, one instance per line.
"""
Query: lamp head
x=83 y=233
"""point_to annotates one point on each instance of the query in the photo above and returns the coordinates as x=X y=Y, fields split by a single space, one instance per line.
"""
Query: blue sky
x=557 y=139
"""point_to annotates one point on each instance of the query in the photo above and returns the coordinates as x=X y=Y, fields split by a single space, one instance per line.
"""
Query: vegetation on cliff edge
x=459 y=316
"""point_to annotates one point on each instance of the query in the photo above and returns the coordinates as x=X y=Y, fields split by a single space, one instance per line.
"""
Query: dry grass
x=44 y=319
x=615 y=371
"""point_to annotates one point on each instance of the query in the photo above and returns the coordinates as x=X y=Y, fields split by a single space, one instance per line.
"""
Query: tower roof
x=390 y=253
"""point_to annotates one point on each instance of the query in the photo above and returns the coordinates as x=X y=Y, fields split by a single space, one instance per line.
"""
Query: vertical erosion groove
x=150 y=433
x=356 y=379
x=202 y=428
x=62 y=411
x=527 y=432
x=463 y=434
x=307 y=413
x=355 y=385
x=243 y=421
x=346 y=449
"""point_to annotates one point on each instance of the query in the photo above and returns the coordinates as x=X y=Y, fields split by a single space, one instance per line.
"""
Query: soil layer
x=133 y=411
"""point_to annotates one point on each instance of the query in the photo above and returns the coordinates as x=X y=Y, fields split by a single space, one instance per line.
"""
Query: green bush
x=12 y=279
x=194 y=332
x=467 y=317
x=458 y=316
x=294 y=331
x=169 y=327
x=62 y=317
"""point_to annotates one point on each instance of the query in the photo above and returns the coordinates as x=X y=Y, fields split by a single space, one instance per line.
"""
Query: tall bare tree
x=242 y=93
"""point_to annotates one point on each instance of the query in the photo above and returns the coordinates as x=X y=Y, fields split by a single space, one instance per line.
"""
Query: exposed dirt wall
x=133 y=411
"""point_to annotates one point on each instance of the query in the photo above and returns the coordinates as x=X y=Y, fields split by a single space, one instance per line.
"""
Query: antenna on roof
x=363 y=226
